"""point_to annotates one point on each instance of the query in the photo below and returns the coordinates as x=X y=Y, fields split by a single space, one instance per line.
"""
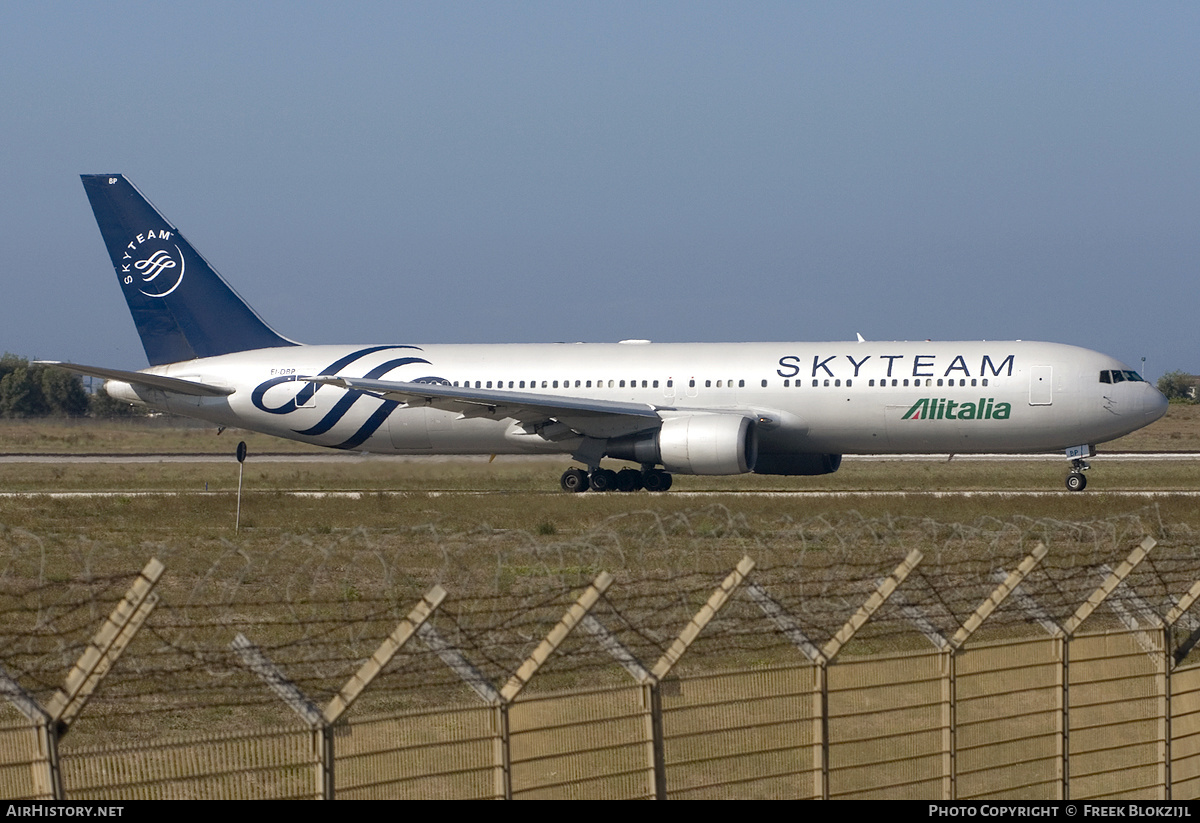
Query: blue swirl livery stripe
x=334 y=415
x=370 y=427
x=306 y=392
x=383 y=412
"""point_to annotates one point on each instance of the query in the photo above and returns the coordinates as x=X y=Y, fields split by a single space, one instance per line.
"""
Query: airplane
x=698 y=408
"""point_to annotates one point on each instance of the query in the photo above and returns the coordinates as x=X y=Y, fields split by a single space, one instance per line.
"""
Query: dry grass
x=533 y=475
x=523 y=495
x=159 y=435
x=319 y=581
x=1178 y=430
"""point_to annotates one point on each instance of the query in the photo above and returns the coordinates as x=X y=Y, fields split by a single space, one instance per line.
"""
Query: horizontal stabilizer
x=137 y=378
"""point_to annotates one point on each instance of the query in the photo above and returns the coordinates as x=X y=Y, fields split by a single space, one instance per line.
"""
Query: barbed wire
x=319 y=603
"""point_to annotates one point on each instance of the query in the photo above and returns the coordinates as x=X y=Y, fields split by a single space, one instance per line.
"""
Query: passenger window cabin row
x=836 y=382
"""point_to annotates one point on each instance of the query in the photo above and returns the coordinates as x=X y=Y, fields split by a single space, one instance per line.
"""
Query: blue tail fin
x=182 y=308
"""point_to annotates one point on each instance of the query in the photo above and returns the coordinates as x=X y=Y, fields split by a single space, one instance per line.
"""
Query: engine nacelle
x=695 y=444
x=798 y=464
x=120 y=390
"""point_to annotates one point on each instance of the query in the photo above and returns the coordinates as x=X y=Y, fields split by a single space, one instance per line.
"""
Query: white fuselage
x=837 y=397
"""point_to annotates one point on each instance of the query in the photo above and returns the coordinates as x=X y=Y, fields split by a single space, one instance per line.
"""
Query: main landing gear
x=1076 y=481
x=607 y=480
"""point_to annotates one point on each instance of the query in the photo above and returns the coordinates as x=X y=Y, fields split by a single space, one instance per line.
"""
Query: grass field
x=1179 y=430
x=518 y=493
x=319 y=580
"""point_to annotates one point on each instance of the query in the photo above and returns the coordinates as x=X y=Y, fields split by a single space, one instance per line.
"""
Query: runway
x=1131 y=494
x=362 y=457
x=359 y=458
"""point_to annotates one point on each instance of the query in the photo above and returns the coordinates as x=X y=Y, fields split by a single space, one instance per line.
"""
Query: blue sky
x=513 y=172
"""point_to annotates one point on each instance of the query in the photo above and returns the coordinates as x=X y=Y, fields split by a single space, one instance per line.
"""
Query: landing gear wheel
x=603 y=480
x=574 y=480
x=654 y=480
x=1076 y=482
x=629 y=480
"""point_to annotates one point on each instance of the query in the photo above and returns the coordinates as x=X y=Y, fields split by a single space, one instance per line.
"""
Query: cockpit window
x=1120 y=376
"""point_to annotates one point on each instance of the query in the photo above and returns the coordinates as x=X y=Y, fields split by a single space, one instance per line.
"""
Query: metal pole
x=47 y=772
x=654 y=688
x=822 y=728
x=1064 y=674
x=1166 y=710
x=502 y=753
x=952 y=732
x=241 y=458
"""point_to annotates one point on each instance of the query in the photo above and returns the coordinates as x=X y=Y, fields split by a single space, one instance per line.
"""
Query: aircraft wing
x=585 y=416
x=137 y=378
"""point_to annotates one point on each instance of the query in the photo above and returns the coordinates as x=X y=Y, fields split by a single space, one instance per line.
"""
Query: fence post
x=652 y=687
x=501 y=699
x=973 y=623
x=1169 y=661
x=321 y=741
x=574 y=616
x=53 y=721
x=949 y=683
x=657 y=752
x=321 y=721
x=502 y=786
x=374 y=664
x=819 y=689
x=702 y=618
x=874 y=603
x=1164 y=717
x=106 y=646
x=1042 y=617
x=557 y=635
x=885 y=589
x=640 y=674
x=479 y=683
x=44 y=770
x=1067 y=632
x=1062 y=641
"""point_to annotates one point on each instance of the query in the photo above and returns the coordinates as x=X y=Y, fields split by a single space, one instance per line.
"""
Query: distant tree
x=64 y=392
x=1177 y=386
x=10 y=363
x=32 y=390
x=21 y=394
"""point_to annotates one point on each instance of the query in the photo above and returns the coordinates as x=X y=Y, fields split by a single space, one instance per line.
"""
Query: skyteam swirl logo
x=340 y=409
x=154 y=269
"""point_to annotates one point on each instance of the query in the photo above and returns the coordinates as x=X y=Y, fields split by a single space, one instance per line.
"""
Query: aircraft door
x=1041 y=386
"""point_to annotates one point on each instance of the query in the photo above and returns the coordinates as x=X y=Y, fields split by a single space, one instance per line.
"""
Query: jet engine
x=695 y=444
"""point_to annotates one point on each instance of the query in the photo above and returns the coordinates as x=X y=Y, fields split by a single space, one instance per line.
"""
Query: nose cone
x=1154 y=403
